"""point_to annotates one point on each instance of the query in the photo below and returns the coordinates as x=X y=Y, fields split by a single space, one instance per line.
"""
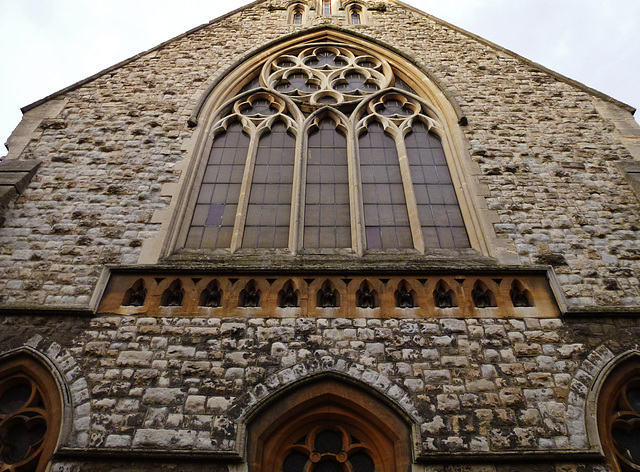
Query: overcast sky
x=46 y=45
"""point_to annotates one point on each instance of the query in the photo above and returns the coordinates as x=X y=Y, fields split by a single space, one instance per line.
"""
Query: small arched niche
x=405 y=297
x=136 y=295
x=443 y=296
x=250 y=296
x=211 y=296
x=366 y=296
x=30 y=414
x=520 y=296
x=289 y=297
x=327 y=422
x=328 y=296
x=482 y=296
x=174 y=295
x=619 y=416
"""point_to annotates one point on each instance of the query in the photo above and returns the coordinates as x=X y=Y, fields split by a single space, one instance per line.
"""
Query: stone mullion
x=245 y=190
x=296 y=224
x=358 y=238
x=410 y=198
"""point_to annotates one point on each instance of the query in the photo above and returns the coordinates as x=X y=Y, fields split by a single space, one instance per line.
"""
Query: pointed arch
x=328 y=407
x=325 y=192
x=618 y=411
x=31 y=411
x=343 y=73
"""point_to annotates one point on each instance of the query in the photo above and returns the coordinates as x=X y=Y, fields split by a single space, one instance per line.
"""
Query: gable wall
x=545 y=155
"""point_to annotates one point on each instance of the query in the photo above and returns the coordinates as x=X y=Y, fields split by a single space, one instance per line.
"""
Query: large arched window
x=30 y=415
x=326 y=148
x=328 y=426
x=619 y=416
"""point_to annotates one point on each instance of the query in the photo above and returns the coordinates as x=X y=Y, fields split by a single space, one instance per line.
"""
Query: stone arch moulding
x=327 y=403
x=463 y=171
x=45 y=409
x=602 y=372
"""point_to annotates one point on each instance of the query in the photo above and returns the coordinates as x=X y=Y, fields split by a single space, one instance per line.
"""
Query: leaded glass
x=294 y=462
x=327 y=215
x=355 y=17
x=217 y=204
x=385 y=208
x=326 y=7
x=269 y=210
x=14 y=398
x=438 y=209
x=328 y=441
x=361 y=462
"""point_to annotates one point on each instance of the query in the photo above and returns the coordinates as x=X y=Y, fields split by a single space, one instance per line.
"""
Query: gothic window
x=30 y=415
x=326 y=148
x=297 y=15
x=326 y=7
x=327 y=426
x=356 y=16
x=619 y=417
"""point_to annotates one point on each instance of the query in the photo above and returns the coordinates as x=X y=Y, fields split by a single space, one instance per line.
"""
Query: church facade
x=318 y=236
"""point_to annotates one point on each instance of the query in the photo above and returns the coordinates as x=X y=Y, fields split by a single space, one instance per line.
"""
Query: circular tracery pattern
x=625 y=426
x=23 y=424
x=328 y=450
x=327 y=74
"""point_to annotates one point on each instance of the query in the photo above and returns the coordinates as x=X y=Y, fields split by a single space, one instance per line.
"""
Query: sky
x=47 y=45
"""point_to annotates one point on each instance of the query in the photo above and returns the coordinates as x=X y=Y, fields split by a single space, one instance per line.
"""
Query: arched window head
x=326 y=149
x=30 y=415
x=356 y=15
x=619 y=416
x=328 y=426
x=297 y=14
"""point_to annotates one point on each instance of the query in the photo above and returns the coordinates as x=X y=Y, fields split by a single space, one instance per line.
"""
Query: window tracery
x=619 y=416
x=327 y=149
x=30 y=414
x=326 y=425
x=356 y=16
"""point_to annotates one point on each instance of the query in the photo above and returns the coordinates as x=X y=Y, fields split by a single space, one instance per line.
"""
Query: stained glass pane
x=328 y=466
x=629 y=441
x=327 y=220
x=361 y=462
x=355 y=17
x=328 y=442
x=269 y=209
x=438 y=209
x=297 y=17
x=402 y=85
x=633 y=396
x=294 y=462
x=15 y=398
x=385 y=209
x=214 y=215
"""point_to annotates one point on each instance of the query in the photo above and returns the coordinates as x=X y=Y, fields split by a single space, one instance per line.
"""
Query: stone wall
x=547 y=158
x=471 y=386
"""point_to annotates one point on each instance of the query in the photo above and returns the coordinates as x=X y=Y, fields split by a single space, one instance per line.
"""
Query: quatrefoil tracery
x=23 y=424
x=327 y=74
x=625 y=426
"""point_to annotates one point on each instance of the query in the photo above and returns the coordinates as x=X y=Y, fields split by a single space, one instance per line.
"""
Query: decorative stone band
x=498 y=295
